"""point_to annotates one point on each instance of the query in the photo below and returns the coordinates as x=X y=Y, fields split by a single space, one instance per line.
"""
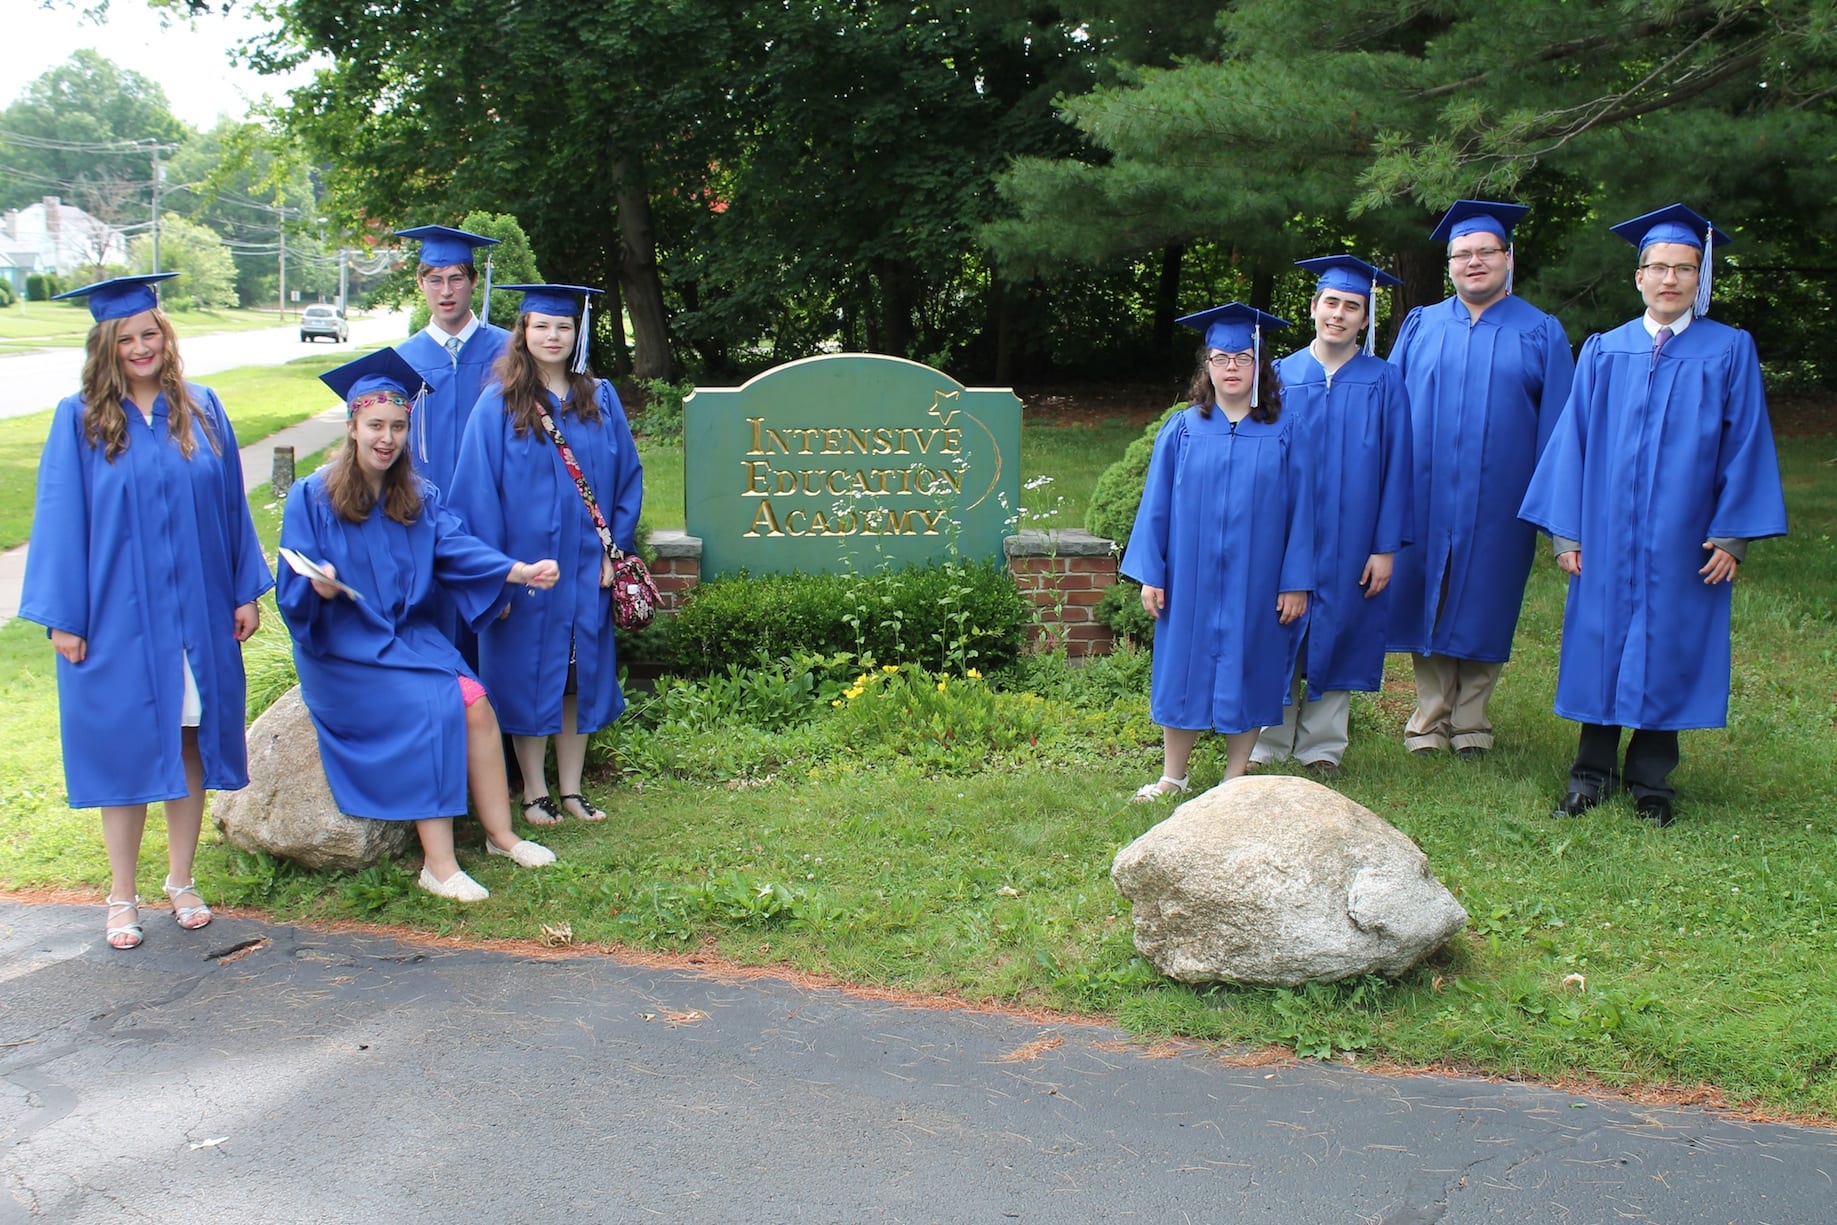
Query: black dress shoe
x=1576 y=802
x=1654 y=808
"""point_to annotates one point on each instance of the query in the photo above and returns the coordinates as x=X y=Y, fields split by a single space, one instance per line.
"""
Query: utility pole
x=280 y=228
x=159 y=173
x=344 y=277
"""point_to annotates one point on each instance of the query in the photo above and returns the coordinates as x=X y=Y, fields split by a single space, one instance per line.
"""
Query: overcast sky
x=190 y=61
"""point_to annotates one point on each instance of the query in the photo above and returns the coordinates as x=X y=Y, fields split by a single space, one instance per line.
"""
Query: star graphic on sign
x=937 y=398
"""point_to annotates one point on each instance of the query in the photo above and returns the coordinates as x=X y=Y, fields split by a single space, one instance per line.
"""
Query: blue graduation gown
x=1484 y=396
x=144 y=558
x=1359 y=440
x=1648 y=461
x=379 y=676
x=516 y=495
x=439 y=424
x=1226 y=523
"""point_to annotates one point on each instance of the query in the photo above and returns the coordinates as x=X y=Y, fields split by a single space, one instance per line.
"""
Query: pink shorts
x=470 y=690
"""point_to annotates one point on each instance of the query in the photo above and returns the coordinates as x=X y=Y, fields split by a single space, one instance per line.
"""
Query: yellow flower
x=973 y=675
x=889 y=667
x=835 y=701
x=852 y=694
x=943 y=683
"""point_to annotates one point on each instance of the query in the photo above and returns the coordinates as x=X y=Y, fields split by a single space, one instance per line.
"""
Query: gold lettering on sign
x=890 y=462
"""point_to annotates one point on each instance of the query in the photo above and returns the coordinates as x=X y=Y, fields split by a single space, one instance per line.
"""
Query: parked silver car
x=328 y=321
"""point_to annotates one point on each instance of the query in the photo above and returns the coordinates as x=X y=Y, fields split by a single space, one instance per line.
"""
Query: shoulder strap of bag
x=580 y=483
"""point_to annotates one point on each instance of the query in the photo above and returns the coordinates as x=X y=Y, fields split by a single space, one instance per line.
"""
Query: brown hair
x=105 y=391
x=525 y=394
x=1269 y=386
x=349 y=493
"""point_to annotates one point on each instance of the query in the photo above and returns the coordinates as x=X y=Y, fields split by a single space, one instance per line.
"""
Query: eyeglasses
x=1225 y=361
x=457 y=280
x=1484 y=254
x=1662 y=271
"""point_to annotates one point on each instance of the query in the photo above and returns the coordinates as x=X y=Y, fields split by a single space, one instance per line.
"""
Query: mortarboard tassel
x=1511 y=263
x=486 y=313
x=1256 y=361
x=580 y=341
x=1709 y=250
x=1371 y=319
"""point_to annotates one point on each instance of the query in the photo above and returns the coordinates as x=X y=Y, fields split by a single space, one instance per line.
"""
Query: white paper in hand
x=298 y=563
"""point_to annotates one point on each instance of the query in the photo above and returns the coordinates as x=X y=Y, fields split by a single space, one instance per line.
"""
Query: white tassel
x=1371 y=319
x=580 y=341
x=1256 y=360
x=1709 y=254
x=486 y=313
x=1511 y=264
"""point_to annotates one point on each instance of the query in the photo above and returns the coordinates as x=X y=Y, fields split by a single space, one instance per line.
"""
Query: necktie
x=1658 y=342
x=452 y=346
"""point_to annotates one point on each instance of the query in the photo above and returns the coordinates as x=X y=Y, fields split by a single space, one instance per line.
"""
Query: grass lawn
x=55 y=325
x=949 y=836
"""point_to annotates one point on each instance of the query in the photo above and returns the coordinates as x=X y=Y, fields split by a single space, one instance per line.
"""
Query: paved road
x=32 y=382
x=255 y=1072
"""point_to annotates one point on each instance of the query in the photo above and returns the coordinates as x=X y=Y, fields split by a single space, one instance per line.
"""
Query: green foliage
x=66 y=113
x=1121 y=609
x=207 y=274
x=951 y=616
x=42 y=286
x=662 y=418
x=1111 y=513
x=7 y=297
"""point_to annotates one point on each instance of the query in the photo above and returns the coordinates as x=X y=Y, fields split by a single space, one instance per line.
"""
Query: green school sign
x=846 y=462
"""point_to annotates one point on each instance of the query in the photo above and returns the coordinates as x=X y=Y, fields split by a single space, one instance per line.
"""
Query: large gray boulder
x=287 y=809
x=1280 y=881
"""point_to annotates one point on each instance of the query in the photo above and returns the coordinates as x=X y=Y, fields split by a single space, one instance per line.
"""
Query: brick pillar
x=1063 y=574
x=678 y=567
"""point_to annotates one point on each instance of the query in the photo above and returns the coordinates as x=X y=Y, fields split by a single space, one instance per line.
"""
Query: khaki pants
x=1451 y=698
x=1309 y=731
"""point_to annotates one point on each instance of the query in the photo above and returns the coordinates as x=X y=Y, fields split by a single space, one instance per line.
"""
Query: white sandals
x=191 y=918
x=127 y=935
x=1148 y=793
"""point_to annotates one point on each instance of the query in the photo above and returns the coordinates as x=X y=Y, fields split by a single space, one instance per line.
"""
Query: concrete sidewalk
x=255 y=1072
x=313 y=434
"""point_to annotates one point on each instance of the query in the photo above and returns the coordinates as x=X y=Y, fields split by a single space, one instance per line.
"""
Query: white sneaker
x=459 y=887
x=525 y=854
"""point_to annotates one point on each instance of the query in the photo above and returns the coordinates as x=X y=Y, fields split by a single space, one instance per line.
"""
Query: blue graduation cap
x=1232 y=328
x=1676 y=223
x=562 y=300
x=1479 y=217
x=384 y=370
x=1496 y=217
x=121 y=296
x=1349 y=274
x=443 y=246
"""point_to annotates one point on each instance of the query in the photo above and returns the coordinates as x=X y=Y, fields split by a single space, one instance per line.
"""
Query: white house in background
x=68 y=240
x=17 y=262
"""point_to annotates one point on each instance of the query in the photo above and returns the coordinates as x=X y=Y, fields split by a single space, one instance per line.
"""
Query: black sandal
x=551 y=815
x=588 y=811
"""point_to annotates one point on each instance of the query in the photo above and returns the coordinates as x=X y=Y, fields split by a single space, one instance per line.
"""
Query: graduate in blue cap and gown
x=1357 y=415
x=551 y=663
x=1661 y=470
x=454 y=355
x=145 y=568
x=1487 y=374
x=1223 y=546
x=403 y=723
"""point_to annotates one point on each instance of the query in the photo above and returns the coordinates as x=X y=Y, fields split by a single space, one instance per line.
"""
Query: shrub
x=42 y=287
x=7 y=298
x=1121 y=609
x=949 y=617
x=661 y=419
x=1118 y=493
